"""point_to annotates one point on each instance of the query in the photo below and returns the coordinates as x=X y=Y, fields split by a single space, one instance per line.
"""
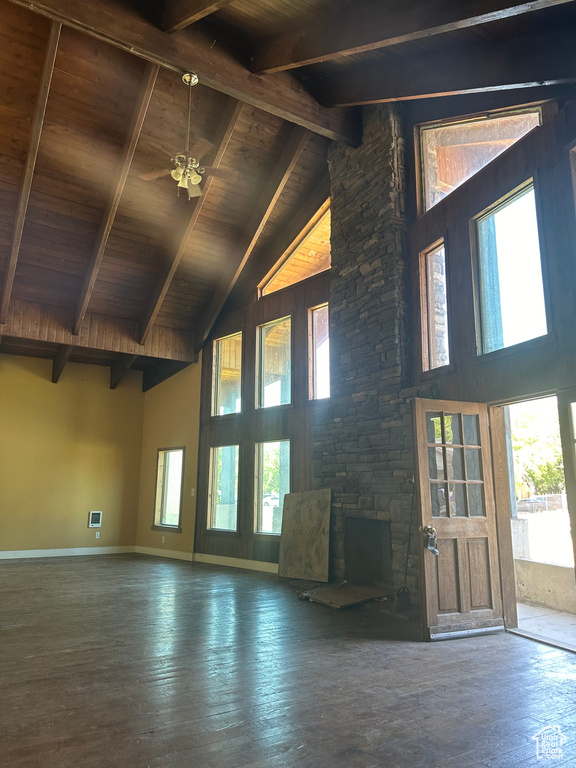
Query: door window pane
x=435 y=351
x=476 y=506
x=457 y=499
x=473 y=464
x=470 y=424
x=320 y=353
x=434 y=427
x=511 y=291
x=223 y=490
x=436 y=463
x=169 y=487
x=274 y=364
x=458 y=462
x=452 y=428
x=272 y=483
x=454 y=460
x=453 y=152
x=227 y=375
x=438 y=500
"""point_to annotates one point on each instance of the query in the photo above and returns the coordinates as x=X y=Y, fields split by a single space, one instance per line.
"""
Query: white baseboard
x=235 y=562
x=17 y=554
x=229 y=562
x=173 y=554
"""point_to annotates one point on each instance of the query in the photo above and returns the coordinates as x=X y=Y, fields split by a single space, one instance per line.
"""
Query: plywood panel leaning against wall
x=66 y=450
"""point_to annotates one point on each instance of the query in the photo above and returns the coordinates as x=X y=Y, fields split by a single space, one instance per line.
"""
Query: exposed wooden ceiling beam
x=374 y=24
x=120 y=368
x=123 y=169
x=42 y=322
x=254 y=227
x=59 y=362
x=159 y=373
x=181 y=13
x=119 y=24
x=520 y=62
x=37 y=123
x=226 y=128
x=288 y=239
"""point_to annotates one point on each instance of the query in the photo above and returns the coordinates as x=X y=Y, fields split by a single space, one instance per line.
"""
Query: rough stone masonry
x=363 y=434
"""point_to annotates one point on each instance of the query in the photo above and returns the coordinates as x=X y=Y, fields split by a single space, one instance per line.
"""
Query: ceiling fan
x=186 y=166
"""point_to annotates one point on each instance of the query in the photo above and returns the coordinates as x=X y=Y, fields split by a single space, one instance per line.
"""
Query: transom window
x=309 y=256
x=453 y=152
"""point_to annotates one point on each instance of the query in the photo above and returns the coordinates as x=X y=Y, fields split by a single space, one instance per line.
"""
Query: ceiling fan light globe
x=195 y=178
x=176 y=174
x=183 y=183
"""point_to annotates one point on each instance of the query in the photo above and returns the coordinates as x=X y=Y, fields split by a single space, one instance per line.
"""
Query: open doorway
x=540 y=521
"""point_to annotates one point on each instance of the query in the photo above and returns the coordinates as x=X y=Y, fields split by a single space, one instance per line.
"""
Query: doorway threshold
x=546 y=625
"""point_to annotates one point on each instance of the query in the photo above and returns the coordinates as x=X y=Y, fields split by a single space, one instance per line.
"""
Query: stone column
x=363 y=434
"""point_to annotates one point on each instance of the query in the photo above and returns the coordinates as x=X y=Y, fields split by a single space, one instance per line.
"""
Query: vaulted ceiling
x=100 y=265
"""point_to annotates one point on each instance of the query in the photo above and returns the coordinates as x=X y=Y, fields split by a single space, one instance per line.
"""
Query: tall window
x=434 y=307
x=274 y=380
x=223 y=488
x=511 y=291
x=320 y=353
x=169 y=475
x=272 y=483
x=453 y=152
x=227 y=375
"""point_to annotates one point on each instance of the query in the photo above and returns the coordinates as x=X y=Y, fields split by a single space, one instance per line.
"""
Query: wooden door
x=461 y=584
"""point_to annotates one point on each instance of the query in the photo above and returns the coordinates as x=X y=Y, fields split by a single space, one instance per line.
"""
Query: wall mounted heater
x=95 y=520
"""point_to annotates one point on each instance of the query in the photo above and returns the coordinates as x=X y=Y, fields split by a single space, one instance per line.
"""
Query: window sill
x=167 y=528
x=516 y=349
x=222 y=532
x=432 y=373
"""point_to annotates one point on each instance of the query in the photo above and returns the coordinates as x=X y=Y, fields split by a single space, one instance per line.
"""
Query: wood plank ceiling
x=99 y=265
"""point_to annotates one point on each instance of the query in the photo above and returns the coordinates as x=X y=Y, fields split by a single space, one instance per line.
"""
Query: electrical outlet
x=192 y=491
x=163 y=539
x=97 y=534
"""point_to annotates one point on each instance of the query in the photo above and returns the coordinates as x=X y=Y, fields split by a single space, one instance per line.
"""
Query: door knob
x=431 y=539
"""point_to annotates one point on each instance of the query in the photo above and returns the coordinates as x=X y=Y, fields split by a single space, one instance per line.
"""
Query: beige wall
x=66 y=449
x=171 y=420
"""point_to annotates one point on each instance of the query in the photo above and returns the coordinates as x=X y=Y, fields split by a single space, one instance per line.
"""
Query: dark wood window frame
x=312 y=378
x=255 y=425
x=532 y=181
x=532 y=366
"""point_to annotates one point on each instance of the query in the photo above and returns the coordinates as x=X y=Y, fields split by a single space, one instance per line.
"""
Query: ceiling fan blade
x=200 y=147
x=221 y=173
x=155 y=174
x=156 y=148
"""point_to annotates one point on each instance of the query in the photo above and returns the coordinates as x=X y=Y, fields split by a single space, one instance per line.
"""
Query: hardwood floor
x=127 y=661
